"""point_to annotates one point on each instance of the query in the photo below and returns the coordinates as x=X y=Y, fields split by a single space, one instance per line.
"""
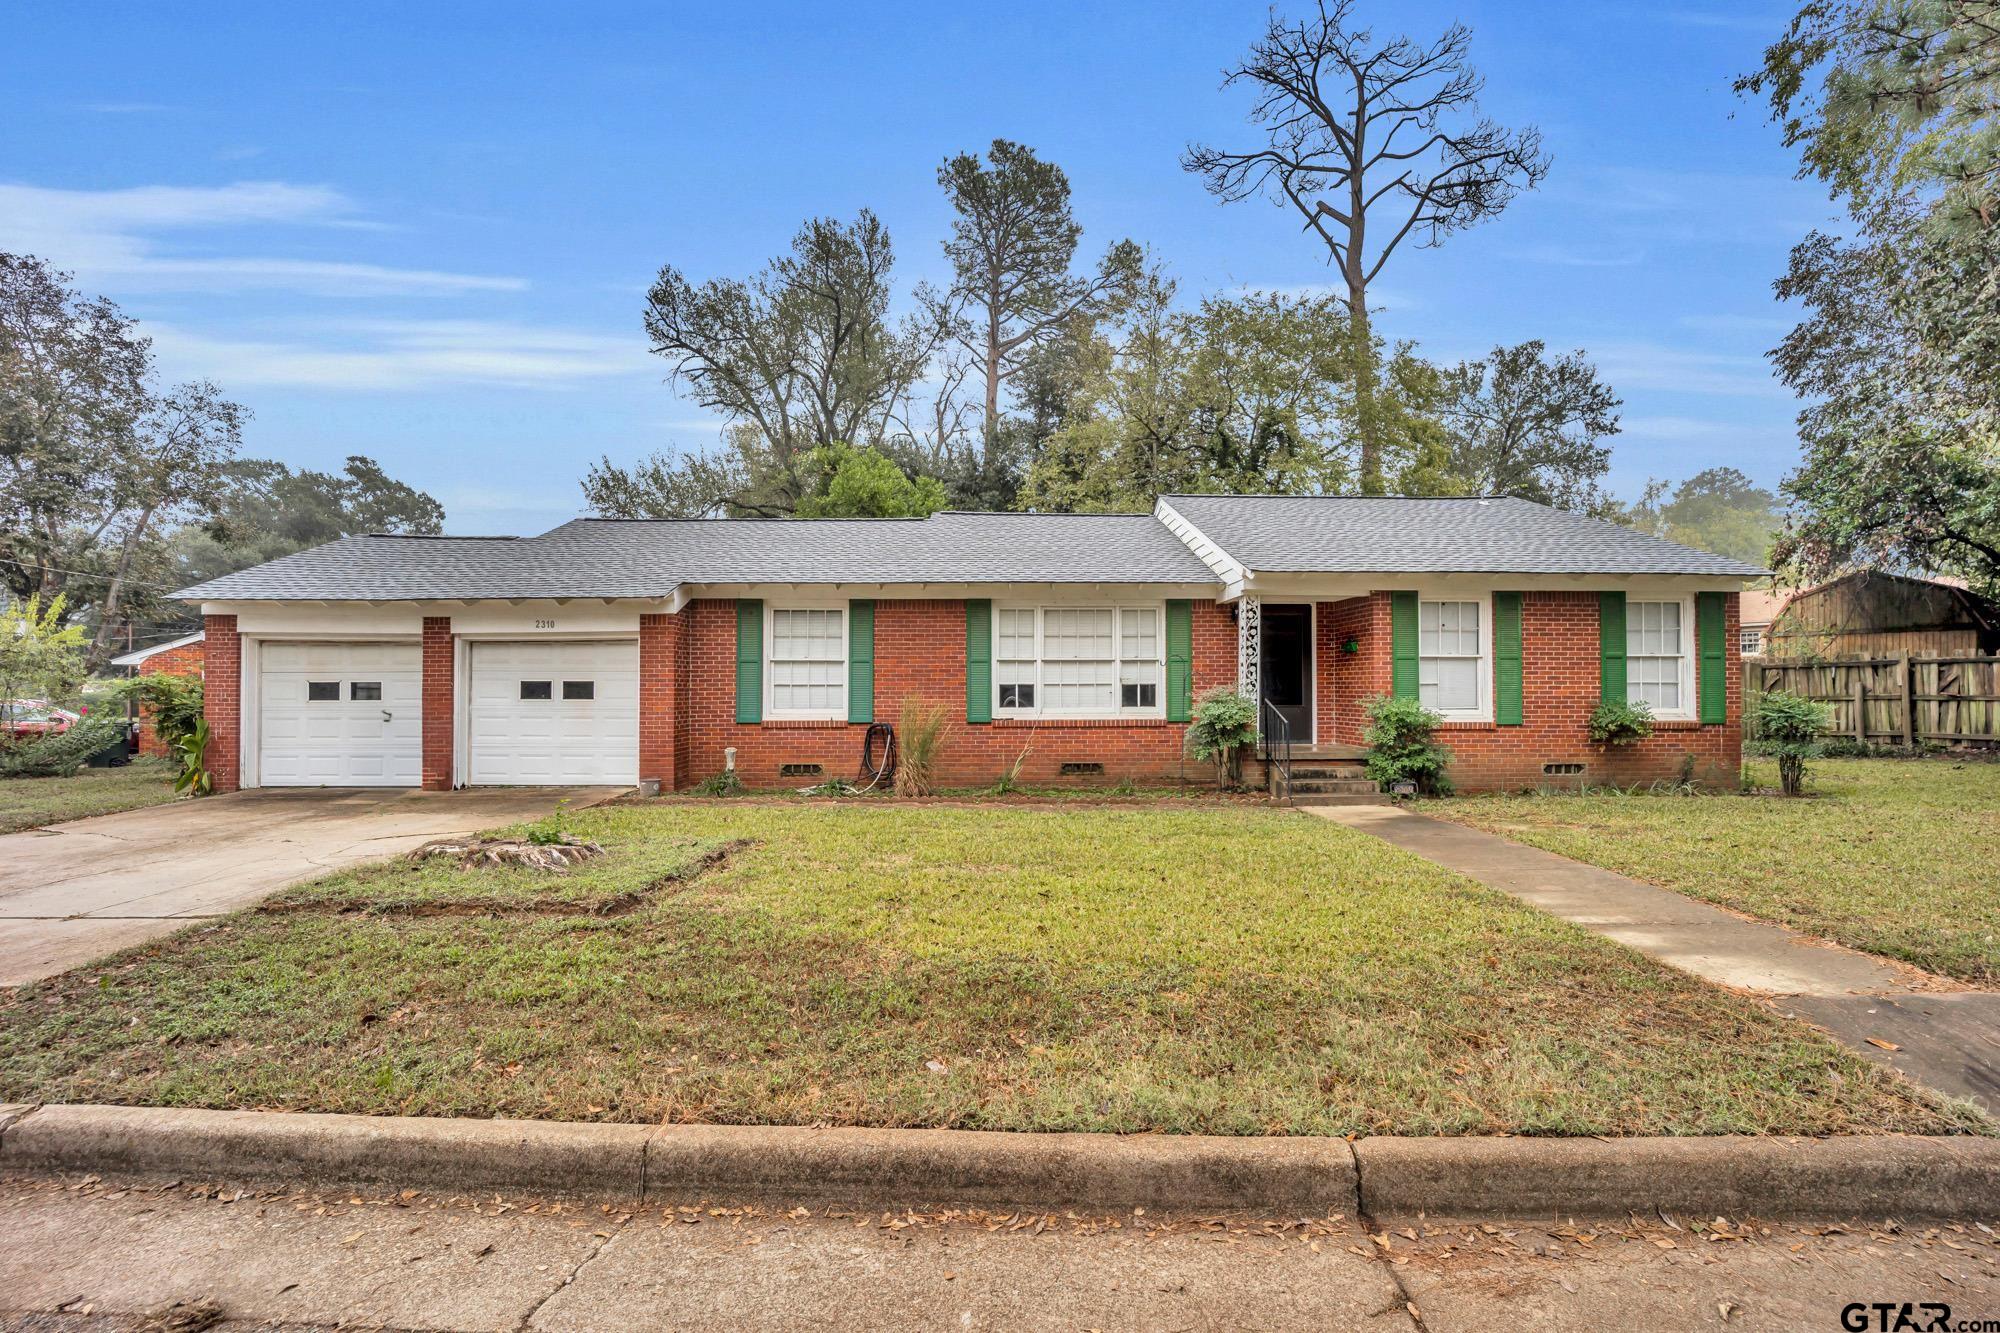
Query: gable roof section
x=649 y=558
x=1285 y=534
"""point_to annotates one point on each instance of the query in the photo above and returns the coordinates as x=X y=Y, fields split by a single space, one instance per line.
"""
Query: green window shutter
x=1611 y=647
x=1180 y=660
x=1403 y=644
x=979 y=661
x=1507 y=658
x=861 y=661
x=1711 y=664
x=749 y=660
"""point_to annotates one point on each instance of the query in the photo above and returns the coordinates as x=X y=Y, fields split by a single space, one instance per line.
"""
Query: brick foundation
x=222 y=700
x=439 y=696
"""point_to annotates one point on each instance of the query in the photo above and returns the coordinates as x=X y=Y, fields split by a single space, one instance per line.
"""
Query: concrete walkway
x=90 y=1256
x=1948 y=1040
x=73 y=892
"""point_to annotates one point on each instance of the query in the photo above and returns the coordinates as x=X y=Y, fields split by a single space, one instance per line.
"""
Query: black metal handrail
x=1277 y=744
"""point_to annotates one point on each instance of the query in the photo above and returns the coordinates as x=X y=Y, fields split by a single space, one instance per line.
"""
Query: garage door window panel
x=323 y=691
x=365 y=691
x=536 y=689
x=807 y=663
x=579 y=689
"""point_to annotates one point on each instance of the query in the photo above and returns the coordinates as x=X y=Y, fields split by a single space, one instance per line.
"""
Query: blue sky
x=424 y=232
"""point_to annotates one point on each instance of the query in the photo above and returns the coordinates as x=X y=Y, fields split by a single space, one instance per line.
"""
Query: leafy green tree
x=866 y=483
x=1371 y=143
x=40 y=656
x=1892 y=104
x=1012 y=249
x=801 y=355
x=96 y=461
x=1524 y=424
x=1718 y=509
x=265 y=510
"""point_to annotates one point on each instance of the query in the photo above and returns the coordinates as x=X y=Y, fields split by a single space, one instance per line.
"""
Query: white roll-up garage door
x=339 y=714
x=554 y=713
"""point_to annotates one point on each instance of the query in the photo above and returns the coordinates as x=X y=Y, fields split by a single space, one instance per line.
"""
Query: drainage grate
x=799 y=770
x=1081 y=770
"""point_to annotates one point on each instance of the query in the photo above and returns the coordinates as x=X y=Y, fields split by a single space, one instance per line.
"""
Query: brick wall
x=439 y=696
x=1559 y=688
x=919 y=656
x=660 y=703
x=222 y=700
x=186 y=660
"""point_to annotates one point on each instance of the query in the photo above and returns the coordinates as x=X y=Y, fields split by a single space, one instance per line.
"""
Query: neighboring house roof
x=1277 y=534
x=592 y=557
x=138 y=656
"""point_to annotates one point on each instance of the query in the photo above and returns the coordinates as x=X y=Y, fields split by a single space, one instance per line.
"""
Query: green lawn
x=33 y=802
x=1182 y=968
x=1897 y=857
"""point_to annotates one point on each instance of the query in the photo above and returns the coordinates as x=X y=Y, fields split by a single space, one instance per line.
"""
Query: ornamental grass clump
x=1403 y=746
x=1787 y=728
x=921 y=733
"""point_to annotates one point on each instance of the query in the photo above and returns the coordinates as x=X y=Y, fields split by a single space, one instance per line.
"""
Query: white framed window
x=1659 y=656
x=1750 y=640
x=805 y=662
x=1079 y=661
x=1454 y=658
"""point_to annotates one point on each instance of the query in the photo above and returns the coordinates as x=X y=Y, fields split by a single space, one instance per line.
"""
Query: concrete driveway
x=73 y=892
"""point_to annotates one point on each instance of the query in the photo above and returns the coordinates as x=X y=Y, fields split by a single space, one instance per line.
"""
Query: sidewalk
x=409 y=1261
x=1949 y=1041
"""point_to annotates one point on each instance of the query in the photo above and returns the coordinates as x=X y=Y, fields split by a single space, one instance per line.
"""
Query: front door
x=1285 y=657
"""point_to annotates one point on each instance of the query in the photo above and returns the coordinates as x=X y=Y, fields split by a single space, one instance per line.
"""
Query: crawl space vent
x=1562 y=770
x=1081 y=770
x=799 y=770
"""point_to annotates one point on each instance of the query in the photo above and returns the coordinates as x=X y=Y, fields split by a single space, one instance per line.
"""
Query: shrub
x=725 y=783
x=1614 y=723
x=61 y=754
x=173 y=702
x=921 y=733
x=1403 y=745
x=40 y=656
x=1788 y=727
x=193 y=751
x=1224 y=722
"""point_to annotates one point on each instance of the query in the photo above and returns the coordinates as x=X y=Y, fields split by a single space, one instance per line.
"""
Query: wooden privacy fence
x=1891 y=700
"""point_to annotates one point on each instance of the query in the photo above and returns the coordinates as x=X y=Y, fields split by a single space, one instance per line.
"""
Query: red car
x=35 y=717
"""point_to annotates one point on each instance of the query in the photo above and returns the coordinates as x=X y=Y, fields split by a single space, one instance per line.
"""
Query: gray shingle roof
x=649 y=558
x=1277 y=534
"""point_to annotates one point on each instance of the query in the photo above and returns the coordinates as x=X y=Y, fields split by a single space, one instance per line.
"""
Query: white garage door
x=339 y=715
x=556 y=714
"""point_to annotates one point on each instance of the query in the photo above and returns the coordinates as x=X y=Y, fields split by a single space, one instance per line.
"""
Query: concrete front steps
x=1328 y=775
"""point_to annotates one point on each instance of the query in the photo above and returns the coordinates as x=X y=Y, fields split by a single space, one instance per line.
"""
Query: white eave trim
x=1226 y=567
x=138 y=656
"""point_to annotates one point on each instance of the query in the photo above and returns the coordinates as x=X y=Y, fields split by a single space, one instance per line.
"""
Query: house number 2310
x=545 y=624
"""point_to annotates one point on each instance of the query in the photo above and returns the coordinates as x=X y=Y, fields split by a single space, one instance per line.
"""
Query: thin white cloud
x=1644 y=365
x=378 y=356
x=112 y=237
x=1761 y=325
x=1569 y=256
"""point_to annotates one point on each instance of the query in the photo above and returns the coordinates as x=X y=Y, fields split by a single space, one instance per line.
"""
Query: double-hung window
x=1079 y=661
x=1452 y=659
x=1658 y=663
x=808 y=662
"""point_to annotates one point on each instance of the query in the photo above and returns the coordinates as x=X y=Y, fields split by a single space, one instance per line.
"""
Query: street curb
x=1775 y=1178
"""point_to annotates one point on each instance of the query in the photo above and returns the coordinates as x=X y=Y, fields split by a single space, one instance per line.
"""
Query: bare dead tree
x=1359 y=131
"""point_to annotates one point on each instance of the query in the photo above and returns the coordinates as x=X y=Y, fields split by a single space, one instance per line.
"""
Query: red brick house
x=185 y=656
x=617 y=651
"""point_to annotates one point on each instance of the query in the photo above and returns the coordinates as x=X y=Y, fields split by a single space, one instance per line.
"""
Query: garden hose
x=871 y=772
